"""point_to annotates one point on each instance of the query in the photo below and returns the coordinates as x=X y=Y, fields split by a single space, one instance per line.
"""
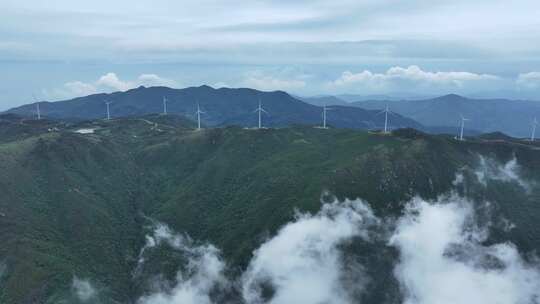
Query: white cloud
x=260 y=81
x=221 y=84
x=79 y=88
x=529 y=80
x=110 y=80
x=204 y=270
x=83 y=289
x=107 y=83
x=443 y=259
x=150 y=80
x=489 y=169
x=397 y=76
x=302 y=263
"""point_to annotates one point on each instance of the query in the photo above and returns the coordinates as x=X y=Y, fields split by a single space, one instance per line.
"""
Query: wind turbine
x=325 y=108
x=108 y=109
x=37 y=107
x=260 y=110
x=386 y=111
x=534 y=124
x=165 y=105
x=199 y=112
x=463 y=120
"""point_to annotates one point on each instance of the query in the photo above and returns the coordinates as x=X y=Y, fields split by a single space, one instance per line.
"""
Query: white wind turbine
x=386 y=111
x=165 y=105
x=533 y=133
x=463 y=120
x=325 y=108
x=108 y=109
x=260 y=110
x=199 y=112
x=37 y=107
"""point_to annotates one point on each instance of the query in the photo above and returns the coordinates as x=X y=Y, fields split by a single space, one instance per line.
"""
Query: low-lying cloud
x=443 y=259
x=203 y=274
x=489 y=169
x=83 y=289
x=303 y=262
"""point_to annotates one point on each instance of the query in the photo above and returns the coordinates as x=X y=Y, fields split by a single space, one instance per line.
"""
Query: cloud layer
x=443 y=259
x=109 y=82
x=45 y=45
x=83 y=290
x=170 y=28
x=529 y=80
x=204 y=271
x=302 y=263
x=489 y=169
x=396 y=78
x=399 y=80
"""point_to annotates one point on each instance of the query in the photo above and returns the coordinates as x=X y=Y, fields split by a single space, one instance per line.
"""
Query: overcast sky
x=59 y=49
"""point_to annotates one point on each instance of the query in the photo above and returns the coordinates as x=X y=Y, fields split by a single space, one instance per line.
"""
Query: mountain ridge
x=223 y=106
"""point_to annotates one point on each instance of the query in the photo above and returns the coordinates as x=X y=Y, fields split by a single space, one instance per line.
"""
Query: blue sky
x=61 y=49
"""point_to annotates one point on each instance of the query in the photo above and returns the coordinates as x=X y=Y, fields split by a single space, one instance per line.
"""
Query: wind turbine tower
x=165 y=105
x=325 y=108
x=38 y=112
x=260 y=110
x=108 y=109
x=386 y=111
x=463 y=120
x=534 y=124
x=199 y=112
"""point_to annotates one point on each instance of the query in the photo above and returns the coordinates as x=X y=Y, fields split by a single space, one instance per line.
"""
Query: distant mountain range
x=223 y=107
x=228 y=106
x=513 y=117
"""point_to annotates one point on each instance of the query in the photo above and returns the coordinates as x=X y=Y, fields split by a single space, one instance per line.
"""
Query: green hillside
x=79 y=205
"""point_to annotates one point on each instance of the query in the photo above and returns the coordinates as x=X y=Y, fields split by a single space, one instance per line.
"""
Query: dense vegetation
x=79 y=204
